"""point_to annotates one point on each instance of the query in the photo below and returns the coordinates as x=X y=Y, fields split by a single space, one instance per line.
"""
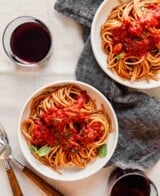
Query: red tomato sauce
x=54 y=128
x=133 y=38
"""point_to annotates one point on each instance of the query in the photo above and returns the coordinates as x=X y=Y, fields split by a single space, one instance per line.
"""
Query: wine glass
x=130 y=182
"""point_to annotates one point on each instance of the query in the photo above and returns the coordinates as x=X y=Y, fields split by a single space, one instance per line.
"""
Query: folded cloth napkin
x=138 y=114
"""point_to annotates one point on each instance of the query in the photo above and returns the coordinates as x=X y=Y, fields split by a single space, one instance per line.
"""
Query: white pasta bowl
x=71 y=173
x=100 y=17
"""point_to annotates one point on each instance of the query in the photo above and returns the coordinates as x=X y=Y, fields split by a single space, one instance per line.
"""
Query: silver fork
x=6 y=154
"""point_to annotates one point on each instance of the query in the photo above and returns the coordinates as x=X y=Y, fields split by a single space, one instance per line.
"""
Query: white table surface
x=17 y=83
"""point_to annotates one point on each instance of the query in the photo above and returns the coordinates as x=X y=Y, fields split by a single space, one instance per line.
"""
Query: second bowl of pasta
x=67 y=130
x=126 y=42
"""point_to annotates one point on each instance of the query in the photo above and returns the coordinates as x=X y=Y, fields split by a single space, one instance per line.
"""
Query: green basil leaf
x=33 y=149
x=102 y=150
x=43 y=151
x=120 y=56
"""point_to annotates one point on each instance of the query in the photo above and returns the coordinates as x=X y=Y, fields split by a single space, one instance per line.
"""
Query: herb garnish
x=102 y=150
x=120 y=56
x=43 y=151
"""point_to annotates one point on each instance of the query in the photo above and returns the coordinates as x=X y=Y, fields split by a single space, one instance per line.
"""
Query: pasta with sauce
x=131 y=39
x=66 y=120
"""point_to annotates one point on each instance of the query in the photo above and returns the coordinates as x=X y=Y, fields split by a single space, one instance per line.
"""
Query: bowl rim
x=125 y=82
x=21 y=141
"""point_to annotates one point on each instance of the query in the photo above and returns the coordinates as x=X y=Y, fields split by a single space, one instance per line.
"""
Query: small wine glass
x=130 y=182
x=27 y=41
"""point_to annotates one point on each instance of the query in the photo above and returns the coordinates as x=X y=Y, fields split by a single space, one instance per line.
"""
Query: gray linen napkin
x=138 y=114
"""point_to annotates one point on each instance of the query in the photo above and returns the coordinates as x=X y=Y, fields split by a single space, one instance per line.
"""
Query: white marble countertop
x=17 y=83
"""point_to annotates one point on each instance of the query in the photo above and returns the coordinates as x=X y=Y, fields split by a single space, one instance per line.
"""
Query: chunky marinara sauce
x=134 y=38
x=67 y=126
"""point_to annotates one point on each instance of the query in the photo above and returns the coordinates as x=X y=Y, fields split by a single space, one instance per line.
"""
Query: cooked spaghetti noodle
x=66 y=120
x=131 y=39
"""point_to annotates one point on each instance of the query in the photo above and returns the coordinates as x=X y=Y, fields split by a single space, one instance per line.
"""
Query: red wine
x=30 y=42
x=132 y=185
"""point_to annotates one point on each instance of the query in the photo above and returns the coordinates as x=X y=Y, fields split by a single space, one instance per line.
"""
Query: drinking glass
x=130 y=182
x=27 y=41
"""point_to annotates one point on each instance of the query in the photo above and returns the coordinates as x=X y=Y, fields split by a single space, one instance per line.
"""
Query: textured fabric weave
x=138 y=114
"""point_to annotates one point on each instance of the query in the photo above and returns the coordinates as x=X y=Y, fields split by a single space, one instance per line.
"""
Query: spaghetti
x=66 y=121
x=131 y=39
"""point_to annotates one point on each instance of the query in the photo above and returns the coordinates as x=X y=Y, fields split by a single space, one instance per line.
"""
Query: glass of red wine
x=130 y=182
x=27 y=41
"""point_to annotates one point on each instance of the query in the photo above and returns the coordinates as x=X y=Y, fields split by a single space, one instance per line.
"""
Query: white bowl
x=99 y=18
x=70 y=174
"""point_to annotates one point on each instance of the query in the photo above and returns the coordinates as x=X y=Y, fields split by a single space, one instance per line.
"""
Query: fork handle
x=13 y=180
x=45 y=187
